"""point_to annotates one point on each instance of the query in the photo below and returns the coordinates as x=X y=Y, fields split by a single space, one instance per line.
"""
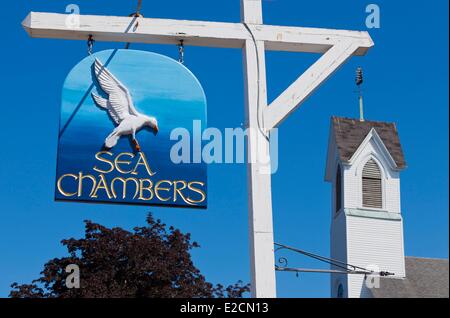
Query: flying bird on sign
x=120 y=108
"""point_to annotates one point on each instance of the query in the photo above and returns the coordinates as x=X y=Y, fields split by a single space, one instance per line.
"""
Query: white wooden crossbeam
x=307 y=83
x=196 y=33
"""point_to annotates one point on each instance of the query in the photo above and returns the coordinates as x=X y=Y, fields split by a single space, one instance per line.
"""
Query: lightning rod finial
x=359 y=80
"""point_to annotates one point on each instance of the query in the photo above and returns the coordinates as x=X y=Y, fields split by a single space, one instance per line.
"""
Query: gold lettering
x=176 y=190
x=60 y=189
x=143 y=161
x=142 y=189
x=158 y=188
x=101 y=185
x=117 y=162
x=99 y=158
x=81 y=177
x=124 y=186
x=199 y=191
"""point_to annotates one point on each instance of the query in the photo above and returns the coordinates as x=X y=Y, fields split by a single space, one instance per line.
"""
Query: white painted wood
x=373 y=137
x=365 y=240
x=308 y=82
x=196 y=33
x=374 y=242
x=338 y=248
x=372 y=148
x=251 y=12
x=258 y=169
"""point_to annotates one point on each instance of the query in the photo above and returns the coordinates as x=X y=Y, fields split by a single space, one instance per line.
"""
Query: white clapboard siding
x=374 y=242
x=338 y=250
x=370 y=184
x=353 y=184
x=392 y=194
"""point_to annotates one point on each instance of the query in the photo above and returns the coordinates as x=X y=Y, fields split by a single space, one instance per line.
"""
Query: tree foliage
x=150 y=261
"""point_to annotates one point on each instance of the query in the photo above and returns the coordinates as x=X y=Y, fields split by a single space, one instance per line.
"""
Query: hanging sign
x=118 y=110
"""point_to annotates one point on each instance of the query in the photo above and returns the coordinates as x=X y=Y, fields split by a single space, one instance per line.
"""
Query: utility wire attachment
x=181 y=52
x=138 y=9
x=136 y=14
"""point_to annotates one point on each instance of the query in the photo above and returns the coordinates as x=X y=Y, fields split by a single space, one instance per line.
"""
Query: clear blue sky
x=406 y=83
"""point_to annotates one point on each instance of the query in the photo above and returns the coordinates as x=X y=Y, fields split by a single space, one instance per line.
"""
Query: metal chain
x=90 y=44
x=181 y=52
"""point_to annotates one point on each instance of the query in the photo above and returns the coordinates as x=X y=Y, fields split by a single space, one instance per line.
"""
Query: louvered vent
x=371 y=185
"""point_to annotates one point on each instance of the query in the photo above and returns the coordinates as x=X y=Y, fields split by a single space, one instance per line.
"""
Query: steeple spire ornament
x=359 y=81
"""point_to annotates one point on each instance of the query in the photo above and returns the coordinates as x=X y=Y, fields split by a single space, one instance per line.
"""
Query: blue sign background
x=160 y=87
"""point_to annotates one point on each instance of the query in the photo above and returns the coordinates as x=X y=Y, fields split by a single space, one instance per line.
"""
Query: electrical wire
x=258 y=107
x=136 y=15
x=138 y=10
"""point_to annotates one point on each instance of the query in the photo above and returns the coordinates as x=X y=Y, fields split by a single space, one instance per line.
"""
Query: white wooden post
x=262 y=258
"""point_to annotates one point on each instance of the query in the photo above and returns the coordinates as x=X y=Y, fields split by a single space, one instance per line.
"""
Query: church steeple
x=363 y=165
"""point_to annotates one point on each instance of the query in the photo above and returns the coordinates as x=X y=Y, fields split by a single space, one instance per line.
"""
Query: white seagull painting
x=120 y=108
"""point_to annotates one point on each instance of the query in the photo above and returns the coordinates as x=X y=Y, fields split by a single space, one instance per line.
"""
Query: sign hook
x=90 y=44
x=181 y=52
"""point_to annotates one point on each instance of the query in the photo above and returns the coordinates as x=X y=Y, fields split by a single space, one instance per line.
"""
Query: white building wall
x=392 y=193
x=351 y=186
x=374 y=243
x=338 y=251
x=367 y=241
x=353 y=182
